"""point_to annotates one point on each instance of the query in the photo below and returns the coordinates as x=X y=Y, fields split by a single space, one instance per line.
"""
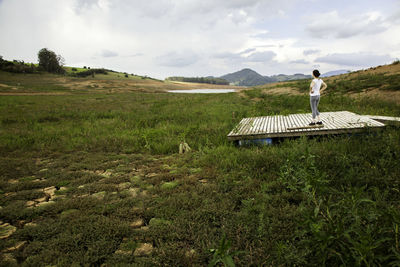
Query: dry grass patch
x=388 y=96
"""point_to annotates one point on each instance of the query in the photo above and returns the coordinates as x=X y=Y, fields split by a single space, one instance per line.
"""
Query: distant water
x=203 y=91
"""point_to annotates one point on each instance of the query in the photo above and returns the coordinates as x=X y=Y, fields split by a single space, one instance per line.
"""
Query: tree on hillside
x=49 y=61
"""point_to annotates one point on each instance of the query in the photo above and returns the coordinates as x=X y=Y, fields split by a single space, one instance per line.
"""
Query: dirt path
x=35 y=93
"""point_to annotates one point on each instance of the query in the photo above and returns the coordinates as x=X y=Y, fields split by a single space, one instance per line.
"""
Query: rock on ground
x=144 y=249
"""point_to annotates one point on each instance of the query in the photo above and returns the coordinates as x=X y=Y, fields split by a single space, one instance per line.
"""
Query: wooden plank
x=298 y=120
x=279 y=123
x=236 y=130
x=276 y=124
x=305 y=127
x=273 y=124
x=254 y=129
x=259 y=125
x=287 y=122
x=249 y=126
x=265 y=125
x=341 y=121
x=245 y=126
x=261 y=128
x=282 y=123
x=383 y=118
x=253 y=126
x=328 y=120
x=240 y=126
x=305 y=120
x=291 y=122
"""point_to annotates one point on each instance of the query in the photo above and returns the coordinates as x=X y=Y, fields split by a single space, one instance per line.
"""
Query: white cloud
x=266 y=56
x=333 y=24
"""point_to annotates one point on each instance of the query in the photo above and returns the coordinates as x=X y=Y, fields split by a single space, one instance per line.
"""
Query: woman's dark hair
x=316 y=73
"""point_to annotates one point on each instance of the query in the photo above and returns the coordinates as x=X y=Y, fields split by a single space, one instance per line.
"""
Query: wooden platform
x=297 y=125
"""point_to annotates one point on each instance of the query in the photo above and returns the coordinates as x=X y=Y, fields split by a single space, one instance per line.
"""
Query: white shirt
x=316 y=87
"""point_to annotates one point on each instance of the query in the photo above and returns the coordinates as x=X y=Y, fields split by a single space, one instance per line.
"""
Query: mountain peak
x=249 y=77
x=245 y=77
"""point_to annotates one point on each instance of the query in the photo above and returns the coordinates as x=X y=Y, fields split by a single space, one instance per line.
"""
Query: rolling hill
x=381 y=82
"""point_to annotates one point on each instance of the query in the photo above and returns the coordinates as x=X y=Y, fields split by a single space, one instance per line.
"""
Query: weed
x=222 y=254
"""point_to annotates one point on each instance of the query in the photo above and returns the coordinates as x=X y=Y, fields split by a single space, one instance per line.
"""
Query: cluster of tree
x=16 y=66
x=210 y=80
x=50 y=62
x=90 y=72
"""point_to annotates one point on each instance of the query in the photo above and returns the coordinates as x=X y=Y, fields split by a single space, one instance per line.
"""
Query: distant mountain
x=248 y=77
x=334 y=73
x=284 y=77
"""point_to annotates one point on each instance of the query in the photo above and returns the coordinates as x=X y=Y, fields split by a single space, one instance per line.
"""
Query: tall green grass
x=331 y=201
x=141 y=122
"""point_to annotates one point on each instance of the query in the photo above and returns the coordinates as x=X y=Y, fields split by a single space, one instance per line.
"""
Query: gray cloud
x=300 y=61
x=108 y=53
x=311 y=52
x=394 y=17
x=81 y=6
x=247 y=51
x=333 y=24
x=178 y=59
x=135 y=55
x=355 y=59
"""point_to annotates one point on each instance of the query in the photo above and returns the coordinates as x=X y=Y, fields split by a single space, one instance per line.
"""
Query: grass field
x=94 y=177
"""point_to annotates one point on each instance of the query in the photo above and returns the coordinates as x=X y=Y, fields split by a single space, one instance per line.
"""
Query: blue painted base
x=264 y=141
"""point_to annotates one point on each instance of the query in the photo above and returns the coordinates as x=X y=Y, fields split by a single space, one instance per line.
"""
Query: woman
x=316 y=87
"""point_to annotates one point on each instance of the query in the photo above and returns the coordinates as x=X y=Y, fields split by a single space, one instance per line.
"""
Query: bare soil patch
x=7 y=86
x=34 y=93
x=282 y=91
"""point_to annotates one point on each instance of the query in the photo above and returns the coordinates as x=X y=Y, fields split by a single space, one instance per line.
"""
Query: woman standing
x=316 y=87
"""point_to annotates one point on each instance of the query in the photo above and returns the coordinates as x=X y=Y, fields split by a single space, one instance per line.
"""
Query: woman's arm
x=324 y=86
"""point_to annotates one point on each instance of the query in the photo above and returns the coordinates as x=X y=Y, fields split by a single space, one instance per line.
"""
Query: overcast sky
x=161 y=38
